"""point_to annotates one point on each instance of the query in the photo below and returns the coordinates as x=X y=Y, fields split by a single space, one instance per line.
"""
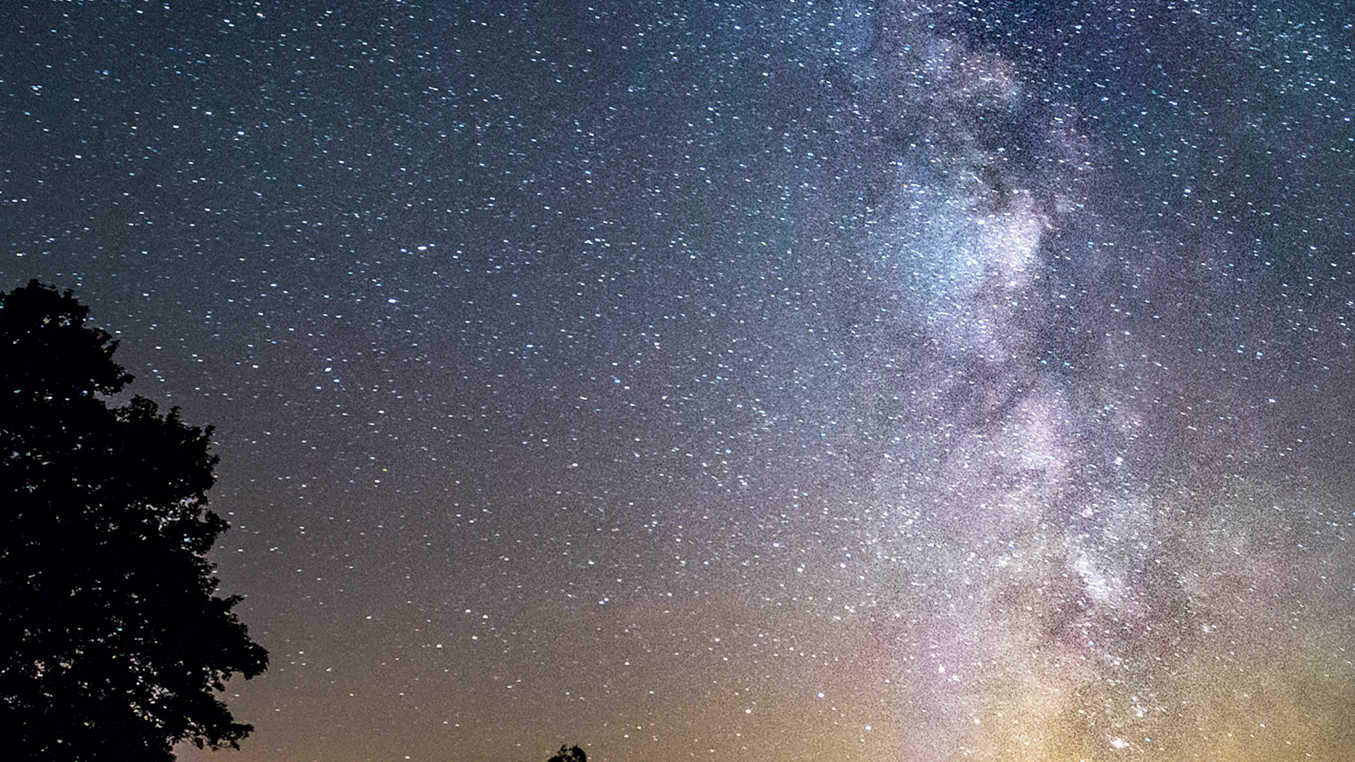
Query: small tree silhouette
x=571 y=754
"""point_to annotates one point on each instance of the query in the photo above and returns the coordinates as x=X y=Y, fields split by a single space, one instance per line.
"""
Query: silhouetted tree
x=112 y=639
x=572 y=754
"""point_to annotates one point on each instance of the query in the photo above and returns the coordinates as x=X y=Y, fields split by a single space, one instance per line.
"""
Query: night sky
x=735 y=380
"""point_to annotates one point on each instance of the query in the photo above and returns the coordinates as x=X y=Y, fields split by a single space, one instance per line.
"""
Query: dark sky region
x=735 y=380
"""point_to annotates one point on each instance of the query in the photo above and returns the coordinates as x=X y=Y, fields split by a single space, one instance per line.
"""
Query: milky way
x=736 y=381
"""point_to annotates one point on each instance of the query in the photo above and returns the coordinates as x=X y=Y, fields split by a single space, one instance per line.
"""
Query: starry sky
x=770 y=380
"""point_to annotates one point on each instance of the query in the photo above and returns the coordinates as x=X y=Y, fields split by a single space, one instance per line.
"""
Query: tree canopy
x=113 y=641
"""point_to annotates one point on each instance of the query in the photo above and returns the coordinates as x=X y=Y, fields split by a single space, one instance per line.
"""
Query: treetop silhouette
x=113 y=641
x=571 y=754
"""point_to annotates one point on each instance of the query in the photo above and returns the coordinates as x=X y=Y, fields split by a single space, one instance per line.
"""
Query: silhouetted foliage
x=112 y=640
x=571 y=754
